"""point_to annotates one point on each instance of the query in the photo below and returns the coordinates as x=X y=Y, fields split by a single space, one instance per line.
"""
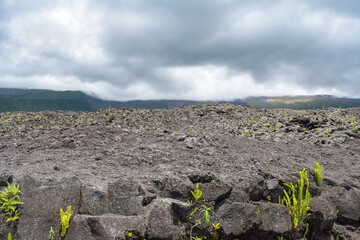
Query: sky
x=184 y=49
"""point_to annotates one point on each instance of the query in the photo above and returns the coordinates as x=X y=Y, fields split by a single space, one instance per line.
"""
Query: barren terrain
x=167 y=152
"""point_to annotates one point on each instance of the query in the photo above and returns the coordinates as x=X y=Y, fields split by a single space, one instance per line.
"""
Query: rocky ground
x=130 y=172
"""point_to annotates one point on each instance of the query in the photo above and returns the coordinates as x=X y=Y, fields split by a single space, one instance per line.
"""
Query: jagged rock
x=125 y=197
x=4 y=179
x=94 y=201
x=105 y=227
x=42 y=203
x=346 y=232
x=347 y=202
x=161 y=223
x=322 y=218
x=215 y=191
x=263 y=220
x=174 y=187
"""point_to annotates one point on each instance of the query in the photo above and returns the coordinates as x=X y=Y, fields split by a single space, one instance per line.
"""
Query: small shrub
x=297 y=204
x=9 y=200
x=318 y=172
x=65 y=219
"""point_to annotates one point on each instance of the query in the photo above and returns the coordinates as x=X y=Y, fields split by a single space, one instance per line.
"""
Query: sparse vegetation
x=9 y=200
x=197 y=192
x=296 y=203
x=318 y=172
x=65 y=220
x=51 y=234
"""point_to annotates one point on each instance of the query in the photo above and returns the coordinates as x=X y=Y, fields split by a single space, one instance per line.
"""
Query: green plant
x=318 y=172
x=268 y=197
x=246 y=132
x=280 y=238
x=216 y=226
x=197 y=192
x=257 y=211
x=306 y=230
x=65 y=219
x=51 y=234
x=9 y=200
x=327 y=134
x=9 y=236
x=206 y=213
x=198 y=238
x=338 y=236
x=192 y=213
x=296 y=203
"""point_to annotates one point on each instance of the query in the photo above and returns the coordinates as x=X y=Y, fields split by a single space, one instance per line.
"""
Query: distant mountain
x=38 y=100
x=34 y=100
x=302 y=102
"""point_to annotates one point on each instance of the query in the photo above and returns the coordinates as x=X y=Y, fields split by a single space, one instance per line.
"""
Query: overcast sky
x=182 y=49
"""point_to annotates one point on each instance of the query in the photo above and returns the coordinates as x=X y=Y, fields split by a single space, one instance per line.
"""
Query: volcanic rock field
x=128 y=174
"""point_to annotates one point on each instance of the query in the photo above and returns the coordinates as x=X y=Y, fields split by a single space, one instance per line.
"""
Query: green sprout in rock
x=192 y=213
x=246 y=132
x=206 y=211
x=296 y=203
x=9 y=236
x=65 y=219
x=318 y=172
x=306 y=230
x=197 y=192
x=327 y=134
x=216 y=226
x=198 y=238
x=257 y=211
x=9 y=201
x=51 y=234
x=280 y=238
x=268 y=197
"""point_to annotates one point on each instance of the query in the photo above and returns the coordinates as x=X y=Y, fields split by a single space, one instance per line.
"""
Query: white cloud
x=201 y=50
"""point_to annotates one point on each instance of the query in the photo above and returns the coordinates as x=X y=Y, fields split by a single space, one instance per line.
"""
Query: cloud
x=182 y=49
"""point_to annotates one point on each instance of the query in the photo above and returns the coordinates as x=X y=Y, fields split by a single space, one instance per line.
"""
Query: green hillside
x=38 y=100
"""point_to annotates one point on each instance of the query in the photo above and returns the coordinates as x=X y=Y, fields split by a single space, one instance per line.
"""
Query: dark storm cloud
x=154 y=48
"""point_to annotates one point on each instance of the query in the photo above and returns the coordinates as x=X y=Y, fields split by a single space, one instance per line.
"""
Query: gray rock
x=346 y=232
x=94 y=201
x=42 y=203
x=347 y=203
x=263 y=220
x=4 y=179
x=125 y=197
x=322 y=218
x=174 y=187
x=105 y=227
x=160 y=218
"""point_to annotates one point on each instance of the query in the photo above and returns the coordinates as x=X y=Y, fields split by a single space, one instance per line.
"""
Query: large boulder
x=42 y=203
x=105 y=227
x=125 y=197
x=260 y=221
x=162 y=218
x=94 y=201
x=347 y=201
x=322 y=218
